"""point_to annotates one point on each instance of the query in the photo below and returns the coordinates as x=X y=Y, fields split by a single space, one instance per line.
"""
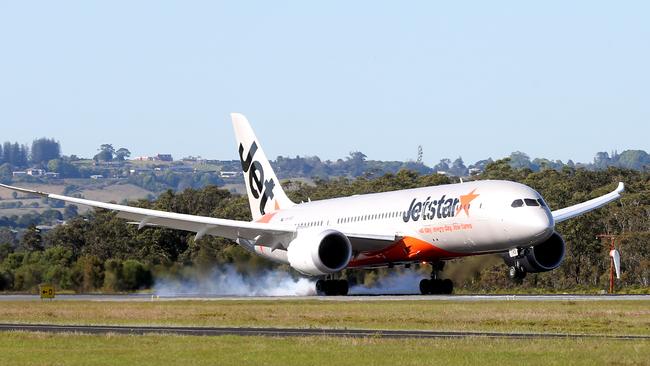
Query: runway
x=294 y=332
x=368 y=298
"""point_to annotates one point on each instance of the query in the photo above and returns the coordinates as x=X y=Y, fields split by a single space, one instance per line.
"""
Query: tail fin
x=265 y=194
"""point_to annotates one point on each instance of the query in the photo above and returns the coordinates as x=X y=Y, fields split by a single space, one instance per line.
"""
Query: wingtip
x=24 y=190
x=621 y=187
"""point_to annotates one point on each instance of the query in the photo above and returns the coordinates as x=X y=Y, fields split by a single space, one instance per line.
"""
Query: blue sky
x=474 y=79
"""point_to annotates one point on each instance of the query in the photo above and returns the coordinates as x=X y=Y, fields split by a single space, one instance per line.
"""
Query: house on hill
x=164 y=157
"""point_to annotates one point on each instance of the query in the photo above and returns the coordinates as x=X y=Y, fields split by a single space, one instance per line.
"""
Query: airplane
x=422 y=225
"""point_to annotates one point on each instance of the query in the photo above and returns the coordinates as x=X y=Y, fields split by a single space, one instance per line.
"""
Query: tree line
x=99 y=251
x=18 y=155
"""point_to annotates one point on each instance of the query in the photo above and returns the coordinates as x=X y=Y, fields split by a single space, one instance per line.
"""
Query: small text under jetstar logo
x=255 y=174
x=437 y=209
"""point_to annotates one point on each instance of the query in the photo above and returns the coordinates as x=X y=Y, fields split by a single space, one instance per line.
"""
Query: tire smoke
x=227 y=281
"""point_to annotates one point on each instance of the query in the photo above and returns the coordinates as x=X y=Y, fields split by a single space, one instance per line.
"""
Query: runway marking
x=296 y=332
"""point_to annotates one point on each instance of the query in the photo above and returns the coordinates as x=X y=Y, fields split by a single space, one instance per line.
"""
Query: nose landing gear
x=435 y=285
x=516 y=273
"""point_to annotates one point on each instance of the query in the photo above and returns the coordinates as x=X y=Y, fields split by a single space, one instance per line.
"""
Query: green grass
x=598 y=317
x=19 y=348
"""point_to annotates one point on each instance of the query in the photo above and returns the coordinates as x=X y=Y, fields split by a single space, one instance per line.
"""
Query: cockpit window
x=541 y=202
x=531 y=202
x=517 y=203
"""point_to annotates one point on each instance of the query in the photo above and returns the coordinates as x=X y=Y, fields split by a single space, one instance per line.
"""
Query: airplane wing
x=201 y=225
x=579 y=209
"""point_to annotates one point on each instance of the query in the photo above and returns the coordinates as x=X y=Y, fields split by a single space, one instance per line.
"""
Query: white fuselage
x=455 y=220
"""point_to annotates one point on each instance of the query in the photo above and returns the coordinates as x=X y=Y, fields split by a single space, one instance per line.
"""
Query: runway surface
x=465 y=298
x=293 y=332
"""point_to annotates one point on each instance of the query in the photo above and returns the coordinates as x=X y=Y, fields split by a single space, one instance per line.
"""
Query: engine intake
x=317 y=254
x=542 y=257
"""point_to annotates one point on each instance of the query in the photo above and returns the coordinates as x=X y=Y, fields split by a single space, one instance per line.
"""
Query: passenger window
x=517 y=203
x=531 y=202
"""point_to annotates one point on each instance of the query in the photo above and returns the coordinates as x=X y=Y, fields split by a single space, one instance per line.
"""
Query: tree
x=64 y=168
x=458 y=168
x=442 y=166
x=520 y=160
x=357 y=163
x=122 y=153
x=70 y=211
x=601 y=160
x=44 y=150
x=7 y=236
x=6 y=171
x=14 y=154
x=6 y=152
x=106 y=152
x=31 y=240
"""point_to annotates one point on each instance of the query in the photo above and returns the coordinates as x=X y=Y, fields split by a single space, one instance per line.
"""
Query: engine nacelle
x=317 y=254
x=542 y=257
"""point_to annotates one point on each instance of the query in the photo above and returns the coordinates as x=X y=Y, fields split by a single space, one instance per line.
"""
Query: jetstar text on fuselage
x=438 y=209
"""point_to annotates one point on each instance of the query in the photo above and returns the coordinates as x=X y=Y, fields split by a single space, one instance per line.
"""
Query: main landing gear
x=435 y=285
x=516 y=273
x=331 y=287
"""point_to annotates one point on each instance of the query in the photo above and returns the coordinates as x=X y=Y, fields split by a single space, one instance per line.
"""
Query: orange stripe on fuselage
x=267 y=217
x=408 y=249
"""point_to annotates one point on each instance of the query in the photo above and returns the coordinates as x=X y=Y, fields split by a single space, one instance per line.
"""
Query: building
x=35 y=172
x=164 y=157
x=229 y=174
x=143 y=158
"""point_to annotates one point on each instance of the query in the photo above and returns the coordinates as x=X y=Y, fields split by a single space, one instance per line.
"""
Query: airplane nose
x=530 y=225
x=540 y=223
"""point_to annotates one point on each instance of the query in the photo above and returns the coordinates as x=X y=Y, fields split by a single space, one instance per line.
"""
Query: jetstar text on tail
x=440 y=208
x=255 y=174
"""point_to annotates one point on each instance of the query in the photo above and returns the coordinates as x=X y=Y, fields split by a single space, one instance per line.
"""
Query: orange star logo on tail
x=267 y=217
x=465 y=200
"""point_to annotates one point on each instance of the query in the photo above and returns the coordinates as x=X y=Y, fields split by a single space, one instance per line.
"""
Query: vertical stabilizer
x=265 y=194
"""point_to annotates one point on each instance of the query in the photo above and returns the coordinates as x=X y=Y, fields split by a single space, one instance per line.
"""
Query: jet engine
x=542 y=257
x=321 y=253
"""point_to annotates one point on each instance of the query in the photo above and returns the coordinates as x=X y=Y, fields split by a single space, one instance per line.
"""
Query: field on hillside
x=100 y=190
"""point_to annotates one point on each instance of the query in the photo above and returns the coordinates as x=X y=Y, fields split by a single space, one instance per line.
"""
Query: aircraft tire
x=447 y=287
x=425 y=287
x=343 y=287
x=516 y=274
x=332 y=287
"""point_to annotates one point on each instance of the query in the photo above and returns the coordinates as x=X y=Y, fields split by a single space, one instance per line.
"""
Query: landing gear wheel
x=425 y=287
x=343 y=287
x=435 y=285
x=447 y=287
x=516 y=273
x=332 y=287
